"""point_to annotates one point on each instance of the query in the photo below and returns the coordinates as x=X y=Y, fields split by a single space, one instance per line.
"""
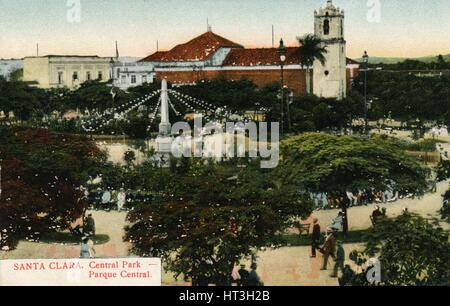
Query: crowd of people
x=108 y=199
x=329 y=201
x=243 y=277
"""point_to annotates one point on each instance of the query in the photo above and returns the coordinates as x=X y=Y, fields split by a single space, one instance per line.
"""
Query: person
x=121 y=199
x=106 y=199
x=89 y=226
x=315 y=237
x=77 y=231
x=235 y=276
x=243 y=276
x=352 y=198
x=376 y=214
x=339 y=260
x=329 y=248
x=87 y=248
x=253 y=277
x=96 y=198
x=338 y=222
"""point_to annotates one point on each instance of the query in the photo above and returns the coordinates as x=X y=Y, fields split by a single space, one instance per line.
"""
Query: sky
x=393 y=28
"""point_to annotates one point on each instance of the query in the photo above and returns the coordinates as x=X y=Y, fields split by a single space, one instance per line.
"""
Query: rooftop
x=197 y=49
x=261 y=57
x=205 y=45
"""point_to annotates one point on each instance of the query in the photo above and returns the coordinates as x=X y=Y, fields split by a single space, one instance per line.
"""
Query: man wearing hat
x=315 y=237
x=329 y=247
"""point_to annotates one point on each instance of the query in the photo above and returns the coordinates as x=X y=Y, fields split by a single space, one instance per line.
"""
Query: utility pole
x=273 y=36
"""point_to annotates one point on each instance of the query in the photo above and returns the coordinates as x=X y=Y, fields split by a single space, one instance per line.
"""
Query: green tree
x=441 y=63
x=212 y=215
x=16 y=75
x=18 y=98
x=41 y=176
x=406 y=97
x=411 y=252
x=323 y=163
x=136 y=126
x=311 y=49
x=130 y=157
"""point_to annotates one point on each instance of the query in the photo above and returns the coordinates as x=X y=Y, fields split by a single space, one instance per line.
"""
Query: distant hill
x=395 y=60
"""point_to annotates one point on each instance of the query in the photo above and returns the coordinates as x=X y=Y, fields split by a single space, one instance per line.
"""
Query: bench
x=302 y=227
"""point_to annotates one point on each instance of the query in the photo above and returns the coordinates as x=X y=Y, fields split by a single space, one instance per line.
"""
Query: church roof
x=205 y=45
x=197 y=49
x=261 y=57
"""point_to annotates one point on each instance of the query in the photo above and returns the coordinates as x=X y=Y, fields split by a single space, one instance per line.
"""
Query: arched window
x=326 y=27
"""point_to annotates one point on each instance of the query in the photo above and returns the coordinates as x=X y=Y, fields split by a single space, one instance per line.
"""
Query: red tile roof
x=261 y=57
x=205 y=45
x=197 y=49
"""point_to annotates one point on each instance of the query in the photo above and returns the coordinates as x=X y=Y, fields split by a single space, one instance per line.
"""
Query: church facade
x=210 y=56
x=330 y=80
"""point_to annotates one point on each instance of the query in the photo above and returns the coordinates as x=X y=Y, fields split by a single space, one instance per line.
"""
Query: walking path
x=284 y=266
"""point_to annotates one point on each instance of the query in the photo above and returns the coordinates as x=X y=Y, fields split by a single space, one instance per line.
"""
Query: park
x=289 y=165
x=242 y=182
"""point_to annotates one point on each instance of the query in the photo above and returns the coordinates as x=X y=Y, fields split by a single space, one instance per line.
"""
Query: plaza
x=163 y=158
x=289 y=266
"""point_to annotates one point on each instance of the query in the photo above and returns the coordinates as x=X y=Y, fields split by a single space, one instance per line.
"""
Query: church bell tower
x=330 y=80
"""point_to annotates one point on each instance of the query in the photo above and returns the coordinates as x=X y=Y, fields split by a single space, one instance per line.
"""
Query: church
x=210 y=56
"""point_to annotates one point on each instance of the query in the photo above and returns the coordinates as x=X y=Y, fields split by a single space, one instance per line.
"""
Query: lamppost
x=365 y=58
x=282 y=53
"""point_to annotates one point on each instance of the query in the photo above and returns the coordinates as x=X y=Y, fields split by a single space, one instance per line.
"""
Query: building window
x=133 y=79
x=75 y=76
x=123 y=79
x=144 y=78
x=326 y=27
x=60 y=78
x=88 y=76
x=100 y=75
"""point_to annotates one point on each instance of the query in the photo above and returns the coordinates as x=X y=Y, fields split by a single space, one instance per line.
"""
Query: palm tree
x=311 y=49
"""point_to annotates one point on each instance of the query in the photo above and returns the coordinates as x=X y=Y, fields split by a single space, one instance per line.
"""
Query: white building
x=8 y=66
x=132 y=74
x=58 y=71
x=330 y=80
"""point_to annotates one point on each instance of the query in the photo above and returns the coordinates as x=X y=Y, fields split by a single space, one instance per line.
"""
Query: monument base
x=163 y=148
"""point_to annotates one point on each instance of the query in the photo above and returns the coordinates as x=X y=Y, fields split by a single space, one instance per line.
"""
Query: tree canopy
x=212 y=215
x=411 y=252
x=407 y=96
x=41 y=177
x=324 y=163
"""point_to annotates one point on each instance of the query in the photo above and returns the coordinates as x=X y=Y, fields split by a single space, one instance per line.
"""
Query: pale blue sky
x=407 y=27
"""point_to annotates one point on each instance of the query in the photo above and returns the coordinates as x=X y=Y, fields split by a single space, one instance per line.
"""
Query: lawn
x=68 y=238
